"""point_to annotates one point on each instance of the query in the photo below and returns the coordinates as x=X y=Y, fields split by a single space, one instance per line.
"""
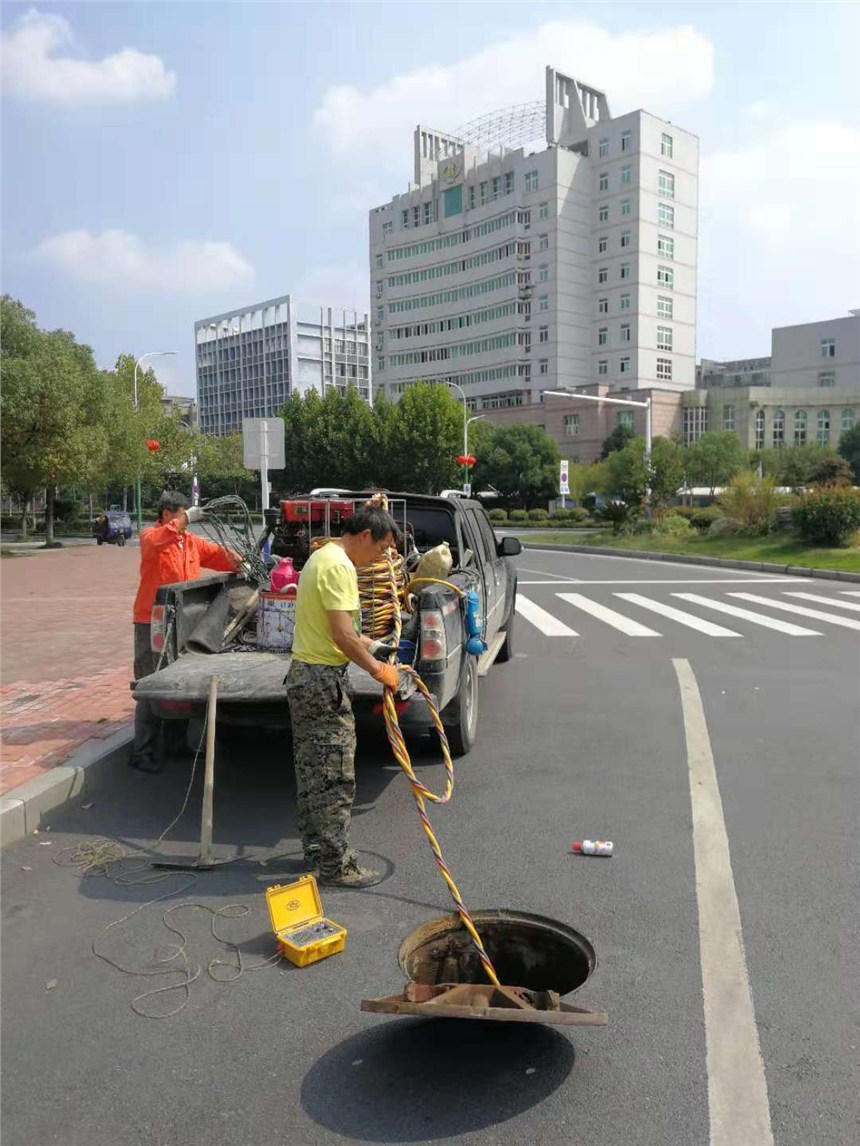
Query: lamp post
x=138 y=508
x=457 y=386
x=646 y=406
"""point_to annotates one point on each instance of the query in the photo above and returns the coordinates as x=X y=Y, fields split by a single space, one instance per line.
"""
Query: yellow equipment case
x=304 y=934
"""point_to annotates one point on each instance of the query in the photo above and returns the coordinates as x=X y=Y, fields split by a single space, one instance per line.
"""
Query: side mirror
x=509 y=547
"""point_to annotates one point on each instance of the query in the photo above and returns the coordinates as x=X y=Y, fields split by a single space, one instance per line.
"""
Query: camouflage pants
x=324 y=752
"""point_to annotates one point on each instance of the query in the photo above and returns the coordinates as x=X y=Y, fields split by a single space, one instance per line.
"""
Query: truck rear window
x=431 y=526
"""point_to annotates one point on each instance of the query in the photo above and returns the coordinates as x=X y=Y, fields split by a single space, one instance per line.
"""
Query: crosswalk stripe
x=802 y=611
x=678 y=615
x=826 y=600
x=549 y=625
x=749 y=615
x=850 y=592
x=617 y=620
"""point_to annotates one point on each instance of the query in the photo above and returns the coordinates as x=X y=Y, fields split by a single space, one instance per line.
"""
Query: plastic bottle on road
x=593 y=847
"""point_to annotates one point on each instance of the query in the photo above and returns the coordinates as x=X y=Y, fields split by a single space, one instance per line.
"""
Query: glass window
x=828 y=348
x=471 y=196
x=664 y=369
x=543 y=243
x=728 y=417
x=543 y=302
x=625 y=270
x=624 y=418
x=543 y=274
x=543 y=366
x=800 y=427
x=625 y=365
x=404 y=218
x=602 y=148
x=571 y=425
x=826 y=377
x=666 y=215
x=603 y=181
x=603 y=366
x=378 y=261
x=666 y=145
x=695 y=423
x=665 y=246
x=428 y=212
x=453 y=201
x=602 y=244
x=543 y=334
x=778 y=438
x=626 y=207
x=666 y=184
x=665 y=276
x=626 y=239
x=625 y=331
x=380 y=364
x=543 y=211
x=603 y=213
x=416 y=215
x=665 y=306
x=626 y=140
x=387 y=228
x=509 y=182
x=625 y=302
x=485 y=194
x=823 y=438
x=603 y=336
x=759 y=429
x=603 y=306
x=664 y=337
x=847 y=420
x=603 y=274
x=497 y=186
x=380 y=313
x=626 y=175
x=531 y=181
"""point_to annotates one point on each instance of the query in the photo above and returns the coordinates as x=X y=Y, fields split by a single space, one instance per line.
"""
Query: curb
x=687 y=559
x=89 y=768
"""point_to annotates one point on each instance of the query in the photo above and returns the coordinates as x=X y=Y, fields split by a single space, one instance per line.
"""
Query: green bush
x=829 y=516
x=538 y=515
x=615 y=513
x=576 y=515
x=498 y=516
x=674 y=525
x=561 y=515
x=518 y=515
x=750 y=502
x=704 y=516
x=683 y=511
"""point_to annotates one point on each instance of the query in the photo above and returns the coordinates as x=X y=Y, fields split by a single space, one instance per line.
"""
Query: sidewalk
x=66 y=657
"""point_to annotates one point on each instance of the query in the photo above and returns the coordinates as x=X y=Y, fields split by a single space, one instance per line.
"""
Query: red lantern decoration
x=467 y=460
x=152 y=445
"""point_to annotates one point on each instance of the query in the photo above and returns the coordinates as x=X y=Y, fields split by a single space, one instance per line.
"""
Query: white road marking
x=801 y=610
x=749 y=615
x=678 y=615
x=549 y=625
x=850 y=592
x=826 y=600
x=737 y=1088
x=685 y=581
x=568 y=554
x=542 y=573
x=617 y=620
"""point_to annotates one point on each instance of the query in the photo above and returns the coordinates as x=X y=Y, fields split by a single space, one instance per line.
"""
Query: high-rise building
x=510 y=271
x=249 y=361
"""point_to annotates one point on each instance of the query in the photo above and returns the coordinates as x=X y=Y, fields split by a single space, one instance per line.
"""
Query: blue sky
x=166 y=161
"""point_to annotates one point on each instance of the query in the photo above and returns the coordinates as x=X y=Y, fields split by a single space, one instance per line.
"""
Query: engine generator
x=298 y=522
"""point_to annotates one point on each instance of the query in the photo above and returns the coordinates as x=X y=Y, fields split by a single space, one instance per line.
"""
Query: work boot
x=352 y=877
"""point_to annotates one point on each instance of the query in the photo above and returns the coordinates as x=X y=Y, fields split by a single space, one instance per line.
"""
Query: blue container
x=406 y=652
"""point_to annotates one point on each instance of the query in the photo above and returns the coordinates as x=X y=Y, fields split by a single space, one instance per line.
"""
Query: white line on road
x=749 y=615
x=678 y=615
x=577 y=553
x=685 y=581
x=826 y=600
x=549 y=625
x=737 y=1087
x=617 y=620
x=801 y=610
x=543 y=573
x=850 y=592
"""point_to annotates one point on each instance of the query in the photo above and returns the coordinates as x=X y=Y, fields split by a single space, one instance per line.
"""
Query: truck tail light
x=434 y=646
x=156 y=628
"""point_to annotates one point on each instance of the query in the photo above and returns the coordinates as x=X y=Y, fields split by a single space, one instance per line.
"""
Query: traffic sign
x=263 y=438
x=563 y=477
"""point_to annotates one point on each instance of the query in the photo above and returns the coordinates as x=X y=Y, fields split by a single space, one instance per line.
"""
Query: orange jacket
x=168 y=554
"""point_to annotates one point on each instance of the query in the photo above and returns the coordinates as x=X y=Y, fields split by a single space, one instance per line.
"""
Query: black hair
x=373 y=517
x=171 y=499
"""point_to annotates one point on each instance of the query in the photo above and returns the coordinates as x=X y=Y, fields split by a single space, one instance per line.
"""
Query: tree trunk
x=125 y=498
x=49 y=517
x=26 y=504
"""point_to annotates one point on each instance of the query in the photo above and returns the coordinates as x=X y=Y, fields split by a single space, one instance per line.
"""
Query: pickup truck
x=251 y=682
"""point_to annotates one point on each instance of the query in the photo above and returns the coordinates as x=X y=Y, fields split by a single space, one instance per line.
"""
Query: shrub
x=703 y=517
x=683 y=511
x=561 y=515
x=518 y=515
x=578 y=515
x=750 y=502
x=674 y=525
x=498 y=516
x=829 y=516
x=616 y=514
x=538 y=515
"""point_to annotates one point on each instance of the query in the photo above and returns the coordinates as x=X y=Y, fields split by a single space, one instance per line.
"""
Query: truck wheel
x=461 y=716
x=507 y=649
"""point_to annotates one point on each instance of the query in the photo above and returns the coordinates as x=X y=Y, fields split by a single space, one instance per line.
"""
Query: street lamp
x=137 y=505
x=646 y=406
x=457 y=386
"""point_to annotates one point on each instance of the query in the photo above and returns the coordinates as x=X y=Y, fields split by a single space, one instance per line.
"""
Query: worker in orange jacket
x=168 y=553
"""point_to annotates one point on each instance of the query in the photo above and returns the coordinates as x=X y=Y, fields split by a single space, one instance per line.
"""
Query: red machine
x=303 y=520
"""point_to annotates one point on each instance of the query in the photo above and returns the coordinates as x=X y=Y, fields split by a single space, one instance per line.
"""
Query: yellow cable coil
x=383 y=596
x=401 y=754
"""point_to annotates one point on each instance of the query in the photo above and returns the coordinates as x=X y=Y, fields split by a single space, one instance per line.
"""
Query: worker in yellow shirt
x=327 y=638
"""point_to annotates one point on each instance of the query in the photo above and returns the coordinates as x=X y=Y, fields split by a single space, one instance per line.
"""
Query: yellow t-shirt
x=328 y=582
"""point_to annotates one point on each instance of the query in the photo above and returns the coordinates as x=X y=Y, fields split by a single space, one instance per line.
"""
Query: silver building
x=249 y=361
x=509 y=271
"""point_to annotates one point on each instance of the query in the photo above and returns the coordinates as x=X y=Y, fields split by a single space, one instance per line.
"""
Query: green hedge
x=538 y=515
x=518 y=515
x=498 y=516
x=829 y=516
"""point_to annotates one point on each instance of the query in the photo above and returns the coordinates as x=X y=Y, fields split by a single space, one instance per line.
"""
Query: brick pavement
x=65 y=654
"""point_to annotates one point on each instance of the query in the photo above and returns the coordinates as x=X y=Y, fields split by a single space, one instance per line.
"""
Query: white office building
x=510 y=271
x=824 y=355
x=250 y=360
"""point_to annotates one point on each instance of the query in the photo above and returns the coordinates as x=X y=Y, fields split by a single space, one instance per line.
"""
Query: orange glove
x=387 y=675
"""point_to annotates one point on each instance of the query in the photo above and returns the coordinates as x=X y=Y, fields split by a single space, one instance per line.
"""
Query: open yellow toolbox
x=304 y=934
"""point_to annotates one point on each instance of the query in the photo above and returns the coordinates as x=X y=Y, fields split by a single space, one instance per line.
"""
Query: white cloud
x=32 y=69
x=663 y=70
x=346 y=285
x=119 y=260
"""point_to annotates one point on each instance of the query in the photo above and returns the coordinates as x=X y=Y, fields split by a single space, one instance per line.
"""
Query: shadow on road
x=415 y=1080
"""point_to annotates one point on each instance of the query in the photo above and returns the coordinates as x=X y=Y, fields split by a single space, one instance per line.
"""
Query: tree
x=617 y=440
x=849 y=448
x=833 y=471
x=521 y=462
x=628 y=474
x=715 y=458
x=428 y=437
x=667 y=471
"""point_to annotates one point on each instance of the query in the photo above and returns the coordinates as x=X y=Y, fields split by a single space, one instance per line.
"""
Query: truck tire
x=507 y=649
x=460 y=717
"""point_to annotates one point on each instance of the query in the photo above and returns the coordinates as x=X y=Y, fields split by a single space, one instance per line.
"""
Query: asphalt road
x=580 y=735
